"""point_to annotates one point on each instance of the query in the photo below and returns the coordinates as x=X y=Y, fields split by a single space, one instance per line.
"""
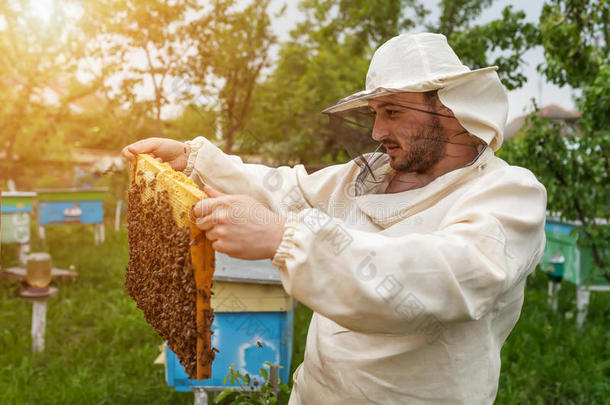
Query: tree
x=139 y=43
x=36 y=64
x=508 y=37
x=232 y=51
x=327 y=58
x=573 y=164
x=575 y=35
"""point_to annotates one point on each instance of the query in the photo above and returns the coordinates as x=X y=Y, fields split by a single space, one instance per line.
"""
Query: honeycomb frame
x=171 y=262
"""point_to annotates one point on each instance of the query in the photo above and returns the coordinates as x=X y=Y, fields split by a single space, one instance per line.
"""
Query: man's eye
x=391 y=113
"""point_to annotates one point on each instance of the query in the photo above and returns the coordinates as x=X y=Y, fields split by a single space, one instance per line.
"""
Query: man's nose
x=380 y=129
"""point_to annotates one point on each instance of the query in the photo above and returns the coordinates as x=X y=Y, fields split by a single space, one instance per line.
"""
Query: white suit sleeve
x=368 y=282
x=280 y=189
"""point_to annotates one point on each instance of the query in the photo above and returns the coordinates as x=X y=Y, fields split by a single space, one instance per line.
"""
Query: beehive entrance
x=171 y=263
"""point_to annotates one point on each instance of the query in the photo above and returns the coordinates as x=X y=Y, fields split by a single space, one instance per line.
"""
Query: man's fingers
x=212 y=193
x=127 y=154
x=218 y=247
x=144 y=146
x=148 y=145
x=207 y=222
x=211 y=235
x=206 y=207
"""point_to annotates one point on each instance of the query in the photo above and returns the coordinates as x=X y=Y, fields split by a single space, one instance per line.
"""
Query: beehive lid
x=245 y=271
x=18 y=193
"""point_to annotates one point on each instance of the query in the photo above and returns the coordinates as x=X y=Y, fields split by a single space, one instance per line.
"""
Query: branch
x=152 y=75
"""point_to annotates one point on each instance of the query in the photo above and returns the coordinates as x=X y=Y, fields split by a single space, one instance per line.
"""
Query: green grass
x=99 y=349
x=547 y=360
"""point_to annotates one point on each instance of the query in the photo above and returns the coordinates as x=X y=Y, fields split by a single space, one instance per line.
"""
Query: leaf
x=224 y=394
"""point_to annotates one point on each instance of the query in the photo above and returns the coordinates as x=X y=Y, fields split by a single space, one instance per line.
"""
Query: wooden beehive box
x=171 y=263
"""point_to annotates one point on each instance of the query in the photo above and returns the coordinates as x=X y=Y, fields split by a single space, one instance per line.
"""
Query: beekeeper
x=413 y=260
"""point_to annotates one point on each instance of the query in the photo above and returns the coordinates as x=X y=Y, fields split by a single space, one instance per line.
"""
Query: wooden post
x=39 y=313
x=274 y=378
x=201 y=396
x=39 y=324
x=117 y=215
x=99 y=234
x=553 y=291
x=41 y=233
x=583 y=295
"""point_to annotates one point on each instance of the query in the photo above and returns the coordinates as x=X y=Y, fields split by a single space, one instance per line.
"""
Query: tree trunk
x=230 y=138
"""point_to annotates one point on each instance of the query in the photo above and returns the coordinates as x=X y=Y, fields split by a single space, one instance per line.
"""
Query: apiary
x=171 y=263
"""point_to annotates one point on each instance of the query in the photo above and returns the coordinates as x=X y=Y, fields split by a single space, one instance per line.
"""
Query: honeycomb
x=171 y=263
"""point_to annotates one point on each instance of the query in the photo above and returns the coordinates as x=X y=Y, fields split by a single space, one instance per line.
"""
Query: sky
x=520 y=99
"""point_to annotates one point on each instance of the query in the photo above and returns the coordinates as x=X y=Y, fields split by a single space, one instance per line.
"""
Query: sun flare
x=43 y=9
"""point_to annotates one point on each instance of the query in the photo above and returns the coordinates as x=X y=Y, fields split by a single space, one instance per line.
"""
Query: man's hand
x=166 y=150
x=239 y=225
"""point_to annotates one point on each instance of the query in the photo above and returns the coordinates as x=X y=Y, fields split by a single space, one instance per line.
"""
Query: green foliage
x=572 y=162
x=573 y=166
x=547 y=359
x=302 y=319
x=575 y=35
x=251 y=391
x=325 y=60
x=232 y=50
x=508 y=37
x=152 y=31
x=32 y=69
x=328 y=56
x=194 y=121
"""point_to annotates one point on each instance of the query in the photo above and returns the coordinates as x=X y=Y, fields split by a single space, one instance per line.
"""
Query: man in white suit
x=413 y=262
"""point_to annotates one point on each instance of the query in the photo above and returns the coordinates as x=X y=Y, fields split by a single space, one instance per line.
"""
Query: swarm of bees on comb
x=171 y=263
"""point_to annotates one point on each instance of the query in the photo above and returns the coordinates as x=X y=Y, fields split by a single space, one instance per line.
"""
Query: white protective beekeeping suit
x=414 y=293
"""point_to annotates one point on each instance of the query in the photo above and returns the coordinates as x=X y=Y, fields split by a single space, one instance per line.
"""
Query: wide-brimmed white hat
x=425 y=62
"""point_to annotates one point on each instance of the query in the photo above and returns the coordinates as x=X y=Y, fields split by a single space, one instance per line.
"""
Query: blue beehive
x=578 y=260
x=59 y=206
x=71 y=205
x=253 y=324
x=15 y=209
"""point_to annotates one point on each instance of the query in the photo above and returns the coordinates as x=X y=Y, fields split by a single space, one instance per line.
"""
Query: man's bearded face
x=414 y=140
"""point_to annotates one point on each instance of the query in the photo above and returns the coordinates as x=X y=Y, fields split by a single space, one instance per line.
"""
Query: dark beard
x=426 y=149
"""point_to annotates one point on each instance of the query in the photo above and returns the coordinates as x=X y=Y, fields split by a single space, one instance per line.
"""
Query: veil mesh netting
x=402 y=121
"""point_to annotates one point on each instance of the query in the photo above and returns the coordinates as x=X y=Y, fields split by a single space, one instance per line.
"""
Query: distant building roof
x=552 y=111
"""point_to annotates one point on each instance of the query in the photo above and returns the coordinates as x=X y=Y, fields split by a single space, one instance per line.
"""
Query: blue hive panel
x=60 y=212
x=245 y=339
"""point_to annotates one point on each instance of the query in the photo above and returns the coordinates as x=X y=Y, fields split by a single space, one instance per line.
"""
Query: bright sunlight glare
x=43 y=9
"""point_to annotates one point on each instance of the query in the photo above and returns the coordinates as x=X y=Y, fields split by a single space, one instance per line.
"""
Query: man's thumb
x=211 y=192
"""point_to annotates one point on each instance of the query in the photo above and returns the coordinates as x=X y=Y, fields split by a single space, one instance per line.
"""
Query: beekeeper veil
x=420 y=63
